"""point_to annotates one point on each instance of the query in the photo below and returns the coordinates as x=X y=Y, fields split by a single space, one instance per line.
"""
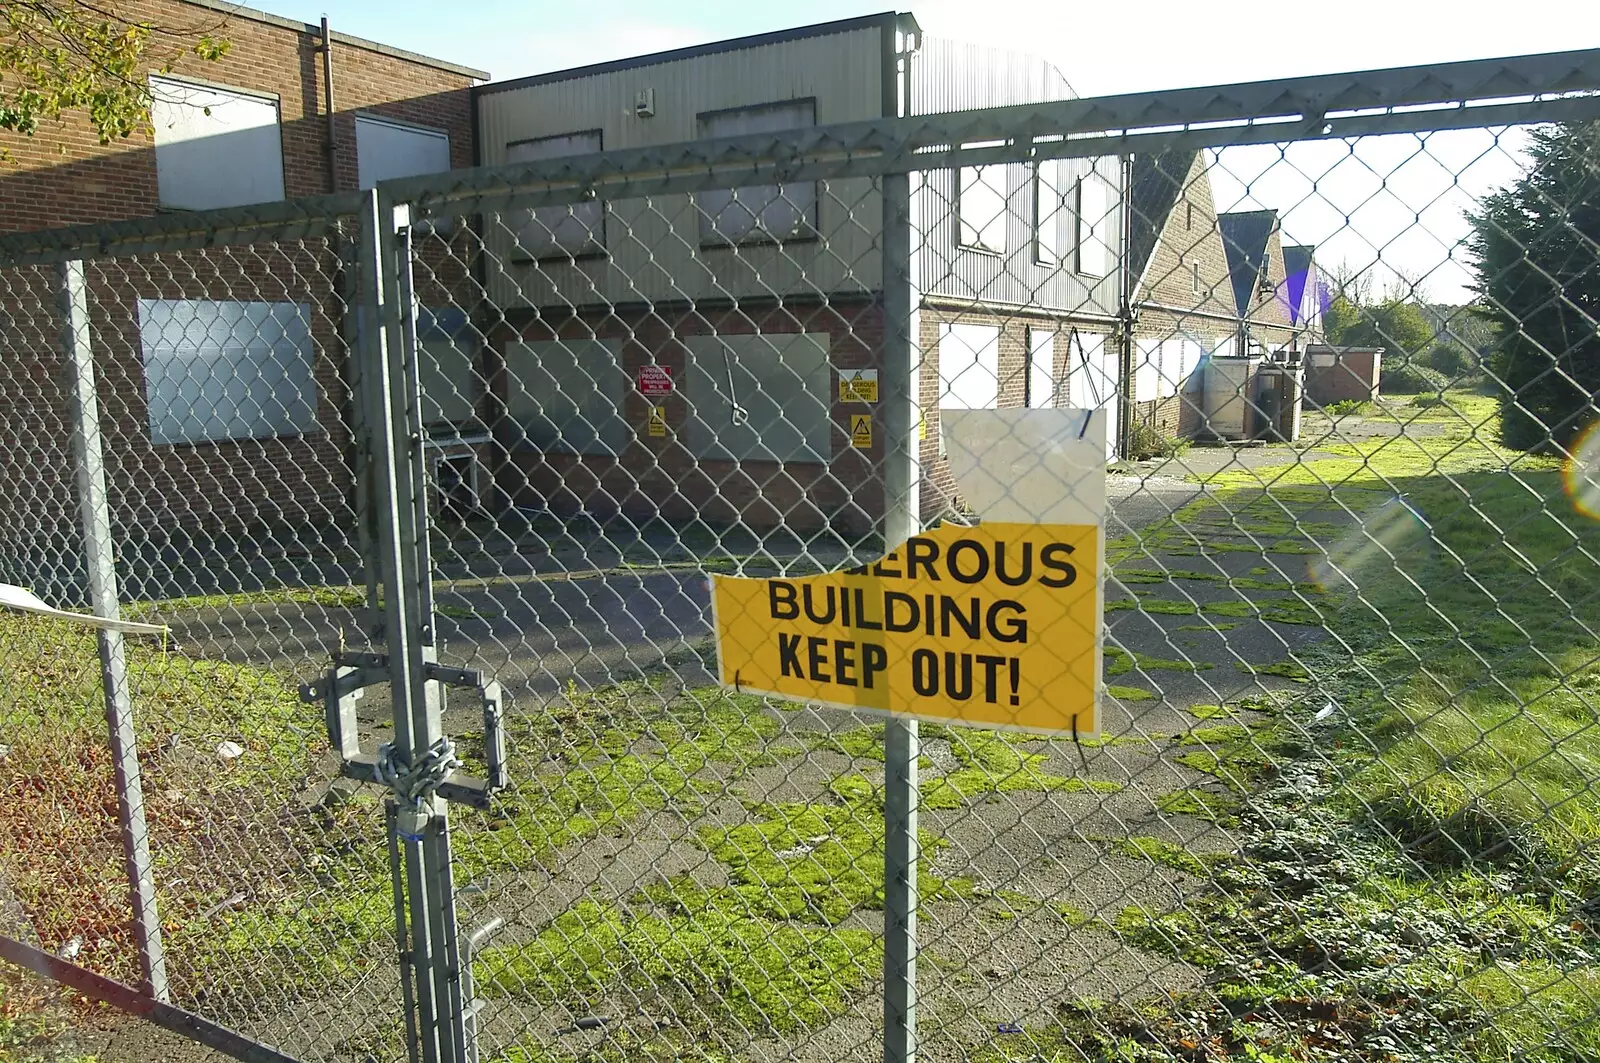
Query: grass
x=34 y=1023
x=65 y=868
x=1415 y=901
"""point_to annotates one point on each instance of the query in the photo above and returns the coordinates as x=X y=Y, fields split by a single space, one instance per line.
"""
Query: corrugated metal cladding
x=956 y=76
x=653 y=247
x=952 y=76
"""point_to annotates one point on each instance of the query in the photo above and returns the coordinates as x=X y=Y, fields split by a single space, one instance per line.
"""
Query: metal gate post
x=100 y=559
x=901 y=480
x=421 y=821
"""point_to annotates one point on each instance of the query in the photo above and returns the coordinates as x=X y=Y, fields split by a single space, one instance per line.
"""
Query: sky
x=1388 y=204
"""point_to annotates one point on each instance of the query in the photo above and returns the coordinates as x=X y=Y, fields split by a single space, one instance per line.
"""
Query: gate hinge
x=343 y=685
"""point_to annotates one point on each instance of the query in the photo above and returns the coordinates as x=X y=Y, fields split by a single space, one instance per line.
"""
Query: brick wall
x=63 y=176
x=1191 y=237
x=1336 y=375
x=939 y=492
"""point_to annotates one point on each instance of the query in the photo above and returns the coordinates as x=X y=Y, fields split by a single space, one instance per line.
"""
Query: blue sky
x=1387 y=205
x=1170 y=43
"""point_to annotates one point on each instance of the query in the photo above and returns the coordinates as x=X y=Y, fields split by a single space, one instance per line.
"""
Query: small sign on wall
x=655 y=380
x=861 y=431
x=658 y=422
x=858 y=385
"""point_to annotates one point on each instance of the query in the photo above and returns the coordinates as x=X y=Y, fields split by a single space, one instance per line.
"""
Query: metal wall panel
x=950 y=76
x=653 y=245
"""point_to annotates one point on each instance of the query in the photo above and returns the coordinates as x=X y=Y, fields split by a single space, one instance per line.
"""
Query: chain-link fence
x=496 y=439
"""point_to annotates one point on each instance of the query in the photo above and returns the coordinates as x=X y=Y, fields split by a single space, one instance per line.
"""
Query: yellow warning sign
x=861 y=430
x=997 y=624
x=858 y=385
x=658 y=421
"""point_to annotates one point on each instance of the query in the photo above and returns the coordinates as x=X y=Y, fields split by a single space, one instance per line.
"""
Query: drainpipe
x=1127 y=315
x=327 y=103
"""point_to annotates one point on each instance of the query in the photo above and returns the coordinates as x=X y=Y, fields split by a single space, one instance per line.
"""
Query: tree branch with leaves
x=62 y=56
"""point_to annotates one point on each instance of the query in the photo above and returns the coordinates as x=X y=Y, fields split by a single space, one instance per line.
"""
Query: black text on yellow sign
x=861 y=431
x=658 y=421
x=993 y=625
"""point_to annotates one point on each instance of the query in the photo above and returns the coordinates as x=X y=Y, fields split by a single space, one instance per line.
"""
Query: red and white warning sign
x=655 y=380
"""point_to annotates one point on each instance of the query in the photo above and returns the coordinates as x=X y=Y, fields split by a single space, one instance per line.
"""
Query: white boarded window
x=762 y=397
x=969 y=367
x=1046 y=212
x=227 y=370
x=567 y=395
x=214 y=147
x=569 y=229
x=758 y=214
x=981 y=208
x=1092 y=210
x=1147 y=371
x=389 y=150
x=1092 y=379
x=1041 y=369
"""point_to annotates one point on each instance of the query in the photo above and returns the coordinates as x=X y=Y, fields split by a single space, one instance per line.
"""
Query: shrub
x=1347 y=407
x=1451 y=359
x=1407 y=376
x=1147 y=441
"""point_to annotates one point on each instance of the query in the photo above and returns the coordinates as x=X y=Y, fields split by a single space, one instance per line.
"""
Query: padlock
x=411 y=824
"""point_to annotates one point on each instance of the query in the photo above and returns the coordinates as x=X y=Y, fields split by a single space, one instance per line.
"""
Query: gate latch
x=343 y=685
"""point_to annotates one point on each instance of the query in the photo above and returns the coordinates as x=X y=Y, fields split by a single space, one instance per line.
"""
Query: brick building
x=1254 y=242
x=221 y=374
x=1183 y=294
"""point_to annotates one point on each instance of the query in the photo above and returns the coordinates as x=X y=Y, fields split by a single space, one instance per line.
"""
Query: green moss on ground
x=1163 y=853
x=730 y=966
x=1121 y=662
x=1202 y=804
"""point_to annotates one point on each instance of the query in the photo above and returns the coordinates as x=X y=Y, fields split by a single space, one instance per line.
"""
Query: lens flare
x=1394 y=538
x=1582 y=473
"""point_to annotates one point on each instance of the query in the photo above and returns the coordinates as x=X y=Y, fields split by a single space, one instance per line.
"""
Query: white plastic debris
x=1323 y=713
x=24 y=600
x=227 y=751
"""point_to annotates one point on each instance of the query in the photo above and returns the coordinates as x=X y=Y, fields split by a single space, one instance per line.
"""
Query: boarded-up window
x=214 y=147
x=226 y=370
x=572 y=228
x=1147 y=371
x=758 y=214
x=1041 y=369
x=447 y=369
x=761 y=397
x=567 y=394
x=969 y=367
x=389 y=150
x=1093 y=213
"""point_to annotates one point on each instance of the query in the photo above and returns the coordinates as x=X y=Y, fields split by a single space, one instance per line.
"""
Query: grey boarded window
x=567 y=395
x=761 y=397
x=218 y=370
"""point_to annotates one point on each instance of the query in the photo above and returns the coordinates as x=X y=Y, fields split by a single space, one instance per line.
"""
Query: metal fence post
x=422 y=826
x=901 y=476
x=99 y=558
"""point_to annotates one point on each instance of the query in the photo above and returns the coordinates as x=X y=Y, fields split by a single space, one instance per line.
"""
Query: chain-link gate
x=484 y=436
